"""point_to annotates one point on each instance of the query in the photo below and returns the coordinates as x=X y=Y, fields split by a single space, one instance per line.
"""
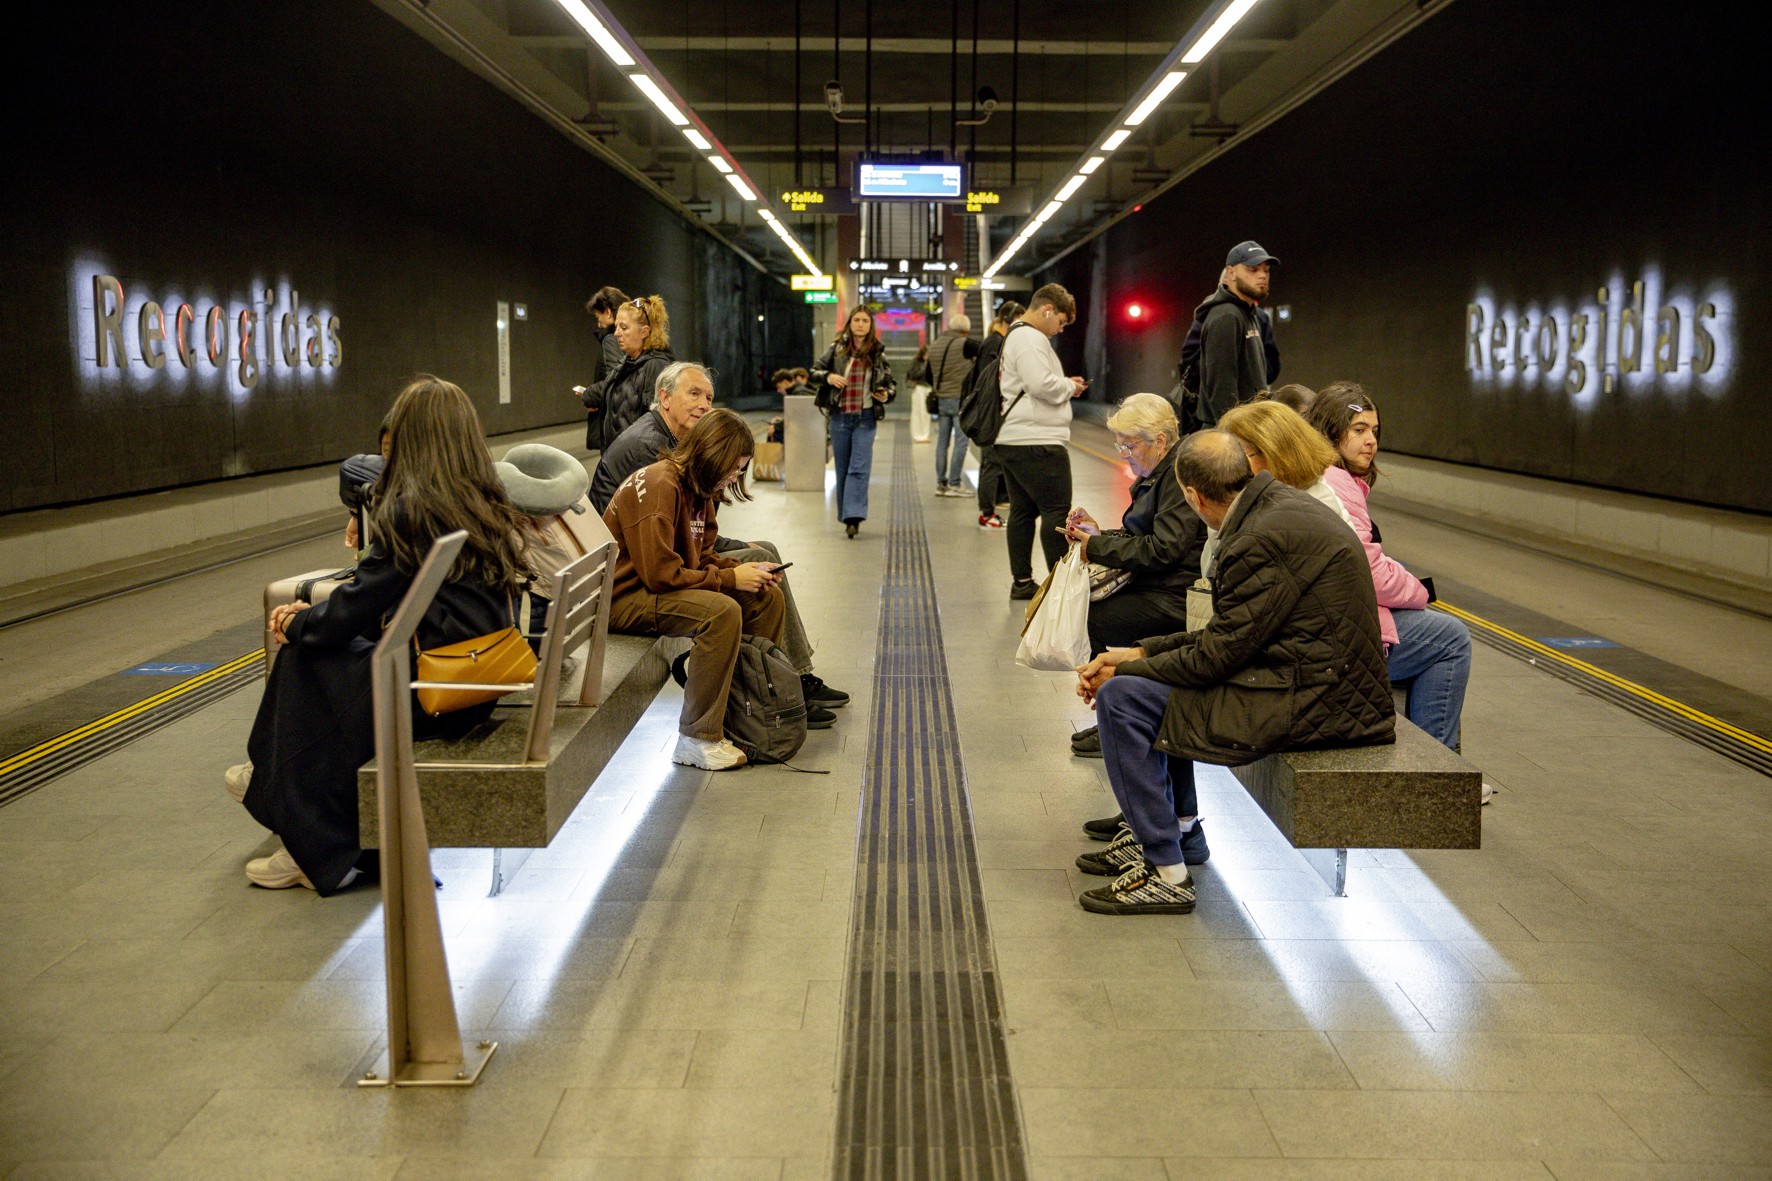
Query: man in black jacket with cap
x=1292 y=659
x=1233 y=361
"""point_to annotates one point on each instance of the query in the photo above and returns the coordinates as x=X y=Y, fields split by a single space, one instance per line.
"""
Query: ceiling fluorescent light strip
x=1115 y=140
x=659 y=98
x=1208 y=41
x=1092 y=164
x=599 y=32
x=594 y=17
x=1157 y=95
x=1071 y=186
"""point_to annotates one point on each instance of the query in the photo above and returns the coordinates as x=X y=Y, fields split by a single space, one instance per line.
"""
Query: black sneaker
x=1105 y=829
x=819 y=718
x=1088 y=747
x=816 y=692
x=1123 y=853
x=1193 y=846
x=1023 y=588
x=1087 y=732
x=1140 y=891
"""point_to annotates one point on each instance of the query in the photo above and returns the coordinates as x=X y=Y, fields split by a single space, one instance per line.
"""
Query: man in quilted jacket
x=1292 y=659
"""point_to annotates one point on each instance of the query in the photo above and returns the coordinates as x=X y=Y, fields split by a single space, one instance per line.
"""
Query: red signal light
x=1135 y=311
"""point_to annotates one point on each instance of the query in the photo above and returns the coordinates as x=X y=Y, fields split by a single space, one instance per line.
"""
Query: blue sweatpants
x=1152 y=788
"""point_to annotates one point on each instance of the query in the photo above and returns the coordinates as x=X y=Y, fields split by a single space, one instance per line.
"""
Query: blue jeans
x=1434 y=650
x=947 y=426
x=1152 y=788
x=852 y=449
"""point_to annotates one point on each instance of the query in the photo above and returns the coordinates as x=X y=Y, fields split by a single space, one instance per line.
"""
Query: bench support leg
x=498 y=874
x=1331 y=866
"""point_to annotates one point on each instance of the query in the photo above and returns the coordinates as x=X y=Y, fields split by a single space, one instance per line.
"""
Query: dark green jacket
x=1293 y=658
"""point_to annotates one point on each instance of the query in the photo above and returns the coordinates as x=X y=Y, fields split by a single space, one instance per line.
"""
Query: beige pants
x=716 y=621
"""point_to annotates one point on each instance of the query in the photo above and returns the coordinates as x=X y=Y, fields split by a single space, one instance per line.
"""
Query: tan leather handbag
x=474 y=671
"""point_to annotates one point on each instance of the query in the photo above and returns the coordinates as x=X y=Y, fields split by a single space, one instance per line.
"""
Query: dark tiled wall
x=210 y=150
x=1533 y=152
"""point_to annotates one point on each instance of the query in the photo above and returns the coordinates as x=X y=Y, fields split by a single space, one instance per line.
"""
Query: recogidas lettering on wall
x=1634 y=337
x=130 y=330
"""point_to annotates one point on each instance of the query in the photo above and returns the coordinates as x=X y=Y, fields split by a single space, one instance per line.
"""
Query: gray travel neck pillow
x=543 y=481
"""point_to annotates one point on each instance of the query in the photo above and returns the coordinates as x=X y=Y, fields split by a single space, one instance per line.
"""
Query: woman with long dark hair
x=1429 y=648
x=669 y=581
x=855 y=383
x=315 y=724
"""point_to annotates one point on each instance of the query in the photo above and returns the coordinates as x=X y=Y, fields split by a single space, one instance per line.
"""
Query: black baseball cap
x=1248 y=254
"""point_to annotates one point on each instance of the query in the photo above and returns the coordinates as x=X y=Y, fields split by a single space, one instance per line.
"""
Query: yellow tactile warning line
x=92 y=729
x=1679 y=708
x=1717 y=725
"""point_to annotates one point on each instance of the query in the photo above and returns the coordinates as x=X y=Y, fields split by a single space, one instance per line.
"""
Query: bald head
x=1212 y=468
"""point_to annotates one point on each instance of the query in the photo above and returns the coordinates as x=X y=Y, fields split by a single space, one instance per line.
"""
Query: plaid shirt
x=855 y=388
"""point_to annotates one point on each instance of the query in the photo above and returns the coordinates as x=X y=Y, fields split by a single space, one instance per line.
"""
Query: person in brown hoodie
x=670 y=582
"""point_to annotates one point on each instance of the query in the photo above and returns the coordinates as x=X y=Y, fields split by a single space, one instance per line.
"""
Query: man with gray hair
x=684 y=394
x=1292 y=659
x=950 y=360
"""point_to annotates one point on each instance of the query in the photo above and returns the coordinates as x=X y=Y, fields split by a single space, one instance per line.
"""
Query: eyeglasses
x=1128 y=448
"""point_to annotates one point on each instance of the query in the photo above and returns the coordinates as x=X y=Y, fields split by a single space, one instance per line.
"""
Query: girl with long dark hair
x=669 y=581
x=855 y=383
x=315 y=724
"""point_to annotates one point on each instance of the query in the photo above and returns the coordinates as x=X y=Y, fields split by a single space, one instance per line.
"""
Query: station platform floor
x=1588 y=996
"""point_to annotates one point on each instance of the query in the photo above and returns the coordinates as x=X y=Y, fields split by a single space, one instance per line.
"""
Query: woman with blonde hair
x=1158 y=541
x=1277 y=439
x=669 y=581
x=643 y=332
x=315 y=724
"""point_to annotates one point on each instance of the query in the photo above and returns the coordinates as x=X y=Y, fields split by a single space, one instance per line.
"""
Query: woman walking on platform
x=855 y=382
x=316 y=723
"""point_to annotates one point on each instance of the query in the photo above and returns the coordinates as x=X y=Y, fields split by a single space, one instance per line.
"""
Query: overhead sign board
x=829 y=202
x=903 y=266
x=996 y=283
x=811 y=282
x=821 y=297
x=1016 y=200
x=909 y=182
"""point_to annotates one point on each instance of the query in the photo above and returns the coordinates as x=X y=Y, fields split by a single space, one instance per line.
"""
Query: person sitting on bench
x=686 y=392
x=670 y=579
x=1292 y=659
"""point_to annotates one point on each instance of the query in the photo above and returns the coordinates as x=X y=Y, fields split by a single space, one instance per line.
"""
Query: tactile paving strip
x=925 y=1086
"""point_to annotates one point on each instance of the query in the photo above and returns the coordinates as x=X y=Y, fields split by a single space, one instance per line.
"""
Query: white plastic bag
x=1057 y=638
x=922 y=426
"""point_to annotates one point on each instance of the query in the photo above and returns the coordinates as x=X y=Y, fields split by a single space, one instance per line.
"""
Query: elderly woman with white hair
x=1156 y=549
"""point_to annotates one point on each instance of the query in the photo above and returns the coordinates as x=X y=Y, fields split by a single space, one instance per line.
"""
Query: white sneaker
x=709 y=756
x=238 y=779
x=276 y=872
x=1488 y=791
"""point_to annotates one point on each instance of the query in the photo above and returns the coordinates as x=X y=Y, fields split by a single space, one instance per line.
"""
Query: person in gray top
x=950 y=360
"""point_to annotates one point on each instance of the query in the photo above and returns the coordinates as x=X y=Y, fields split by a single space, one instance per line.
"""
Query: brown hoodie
x=667 y=540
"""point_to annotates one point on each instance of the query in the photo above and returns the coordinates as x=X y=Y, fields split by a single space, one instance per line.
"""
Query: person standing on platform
x=990 y=473
x=950 y=362
x=602 y=308
x=854 y=382
x=643 y=330
x=1031 y=445
x=1233 y=359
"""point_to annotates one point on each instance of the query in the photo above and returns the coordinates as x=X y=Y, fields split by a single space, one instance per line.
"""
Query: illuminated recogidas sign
x=811 y=282
x=1639 y=336
x=121 y=331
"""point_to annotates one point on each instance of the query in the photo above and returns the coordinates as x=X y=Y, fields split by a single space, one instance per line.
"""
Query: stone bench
x=1413 y=794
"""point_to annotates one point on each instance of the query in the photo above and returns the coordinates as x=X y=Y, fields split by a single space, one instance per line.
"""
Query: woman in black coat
x=854 y=383
x=1159 y=540
x=643 y=332
x=315 y=724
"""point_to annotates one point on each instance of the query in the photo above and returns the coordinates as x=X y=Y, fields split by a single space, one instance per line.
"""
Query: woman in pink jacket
x=1430 y=648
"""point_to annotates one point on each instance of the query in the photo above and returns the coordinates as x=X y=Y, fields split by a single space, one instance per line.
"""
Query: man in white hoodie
x=1032 y=444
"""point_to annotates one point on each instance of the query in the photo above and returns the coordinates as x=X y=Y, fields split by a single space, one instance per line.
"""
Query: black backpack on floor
x=765 y=710
x=981 y=409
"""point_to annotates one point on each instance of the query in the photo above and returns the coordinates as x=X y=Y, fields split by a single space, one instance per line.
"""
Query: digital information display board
x=909 y=182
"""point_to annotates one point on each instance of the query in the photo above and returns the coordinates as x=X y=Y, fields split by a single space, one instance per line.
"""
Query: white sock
x=1186 y=822
x=350 y=876
x=1175 y=874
